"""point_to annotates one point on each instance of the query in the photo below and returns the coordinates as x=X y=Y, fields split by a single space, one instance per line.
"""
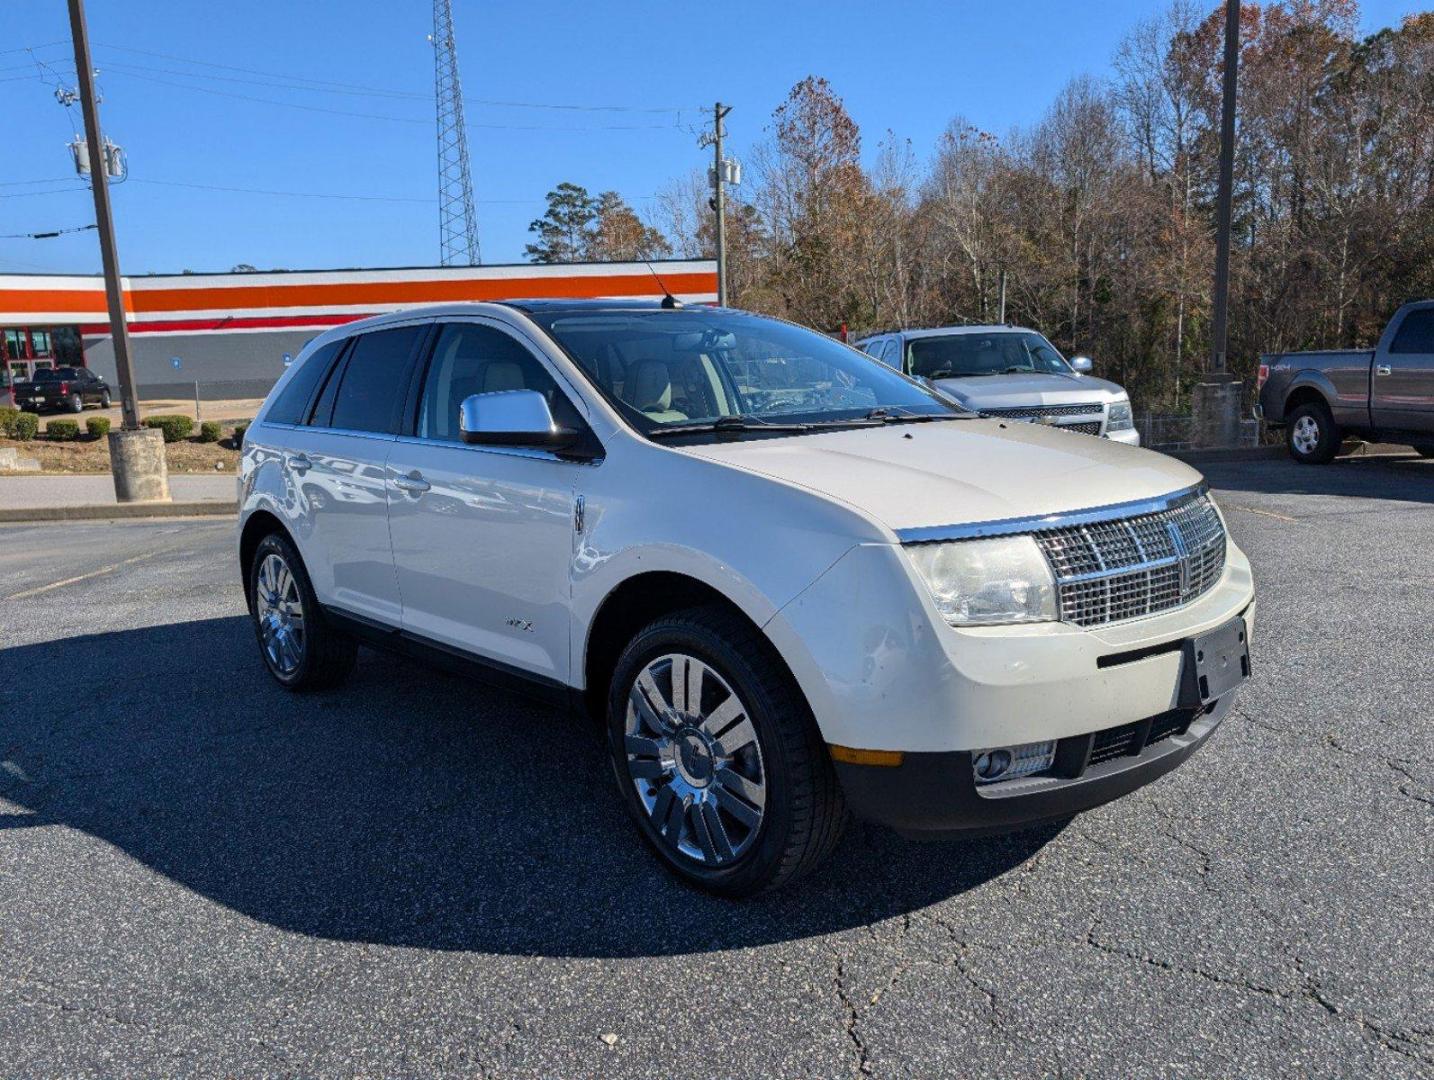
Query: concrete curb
x=102 y=512
x=1242 y=453
x=1265 y=453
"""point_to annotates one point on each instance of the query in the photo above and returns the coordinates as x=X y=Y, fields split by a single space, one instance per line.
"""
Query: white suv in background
x=1010 y=372
x=789 y=580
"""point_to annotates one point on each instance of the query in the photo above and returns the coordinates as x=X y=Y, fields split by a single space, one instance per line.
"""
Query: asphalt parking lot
x=200 y=873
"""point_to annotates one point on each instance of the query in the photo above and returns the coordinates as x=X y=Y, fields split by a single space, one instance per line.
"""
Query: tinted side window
x=292 y=403
x=891 y=353
x=374 y=380
x=1416 y=333
x=473 y=359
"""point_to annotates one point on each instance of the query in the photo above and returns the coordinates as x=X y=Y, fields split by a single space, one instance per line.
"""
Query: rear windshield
x=59 y=374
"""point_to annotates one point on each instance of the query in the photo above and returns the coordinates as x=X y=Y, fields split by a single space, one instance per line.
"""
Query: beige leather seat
x=502 y=375
x=649 y=390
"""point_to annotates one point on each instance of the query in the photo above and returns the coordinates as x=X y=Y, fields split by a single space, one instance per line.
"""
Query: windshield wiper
x=887 y=416
x=733 y=424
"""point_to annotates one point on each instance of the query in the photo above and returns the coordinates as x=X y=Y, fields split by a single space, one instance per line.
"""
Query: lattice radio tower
x=457 y=221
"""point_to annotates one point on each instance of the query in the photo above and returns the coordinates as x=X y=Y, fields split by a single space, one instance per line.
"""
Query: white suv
x=791 y=581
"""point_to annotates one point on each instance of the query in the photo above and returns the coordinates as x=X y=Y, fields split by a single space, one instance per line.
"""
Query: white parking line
x=86 y=577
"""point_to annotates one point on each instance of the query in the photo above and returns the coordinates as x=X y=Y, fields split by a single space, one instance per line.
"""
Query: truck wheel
x=76 y=403
x=104 y=399
x=1311 y=434
x=718 y=756
x=1425 y=449
x=299 y=648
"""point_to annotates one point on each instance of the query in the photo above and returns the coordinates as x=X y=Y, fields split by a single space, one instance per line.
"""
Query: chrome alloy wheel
x=1305 y=435
x=693 y=757
x=280 y=613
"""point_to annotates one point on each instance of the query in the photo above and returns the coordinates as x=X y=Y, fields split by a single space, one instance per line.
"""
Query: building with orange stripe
x=231 y=333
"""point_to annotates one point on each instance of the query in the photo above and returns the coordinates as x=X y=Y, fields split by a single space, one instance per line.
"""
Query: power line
x=387 y=116
x=362 y=88
x=291 y=194
x=47 y=235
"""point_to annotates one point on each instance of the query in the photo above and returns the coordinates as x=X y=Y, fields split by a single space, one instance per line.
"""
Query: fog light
x=1010 y=762
x=992 y=765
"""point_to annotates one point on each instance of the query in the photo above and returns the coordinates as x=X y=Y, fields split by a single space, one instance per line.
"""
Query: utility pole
x=1215 y=400
x=719 y=198
x=104 y=219
x=136 y=455
x=1002 y=319
x=1219 y=322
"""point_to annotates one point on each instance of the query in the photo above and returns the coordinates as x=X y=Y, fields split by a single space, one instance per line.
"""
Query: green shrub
x=174 y=427
x=210 y=431
x=62 y=429
x=239 y=430
x=7 y=420
x=98 y=426
x=25 y=426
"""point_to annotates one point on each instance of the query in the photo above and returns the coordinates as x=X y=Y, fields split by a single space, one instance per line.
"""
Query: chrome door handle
x=299 y=463
x=413 y=482
x=1383 y=369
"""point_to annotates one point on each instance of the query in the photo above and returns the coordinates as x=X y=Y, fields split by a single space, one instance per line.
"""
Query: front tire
x=300 y=649
x=1311 y=435
x=718 y=756
x=104 y=399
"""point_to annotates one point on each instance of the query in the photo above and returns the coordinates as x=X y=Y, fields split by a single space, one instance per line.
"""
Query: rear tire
x=300 y=649
x=76 y=403
x=1311 y=435
x=734 y=788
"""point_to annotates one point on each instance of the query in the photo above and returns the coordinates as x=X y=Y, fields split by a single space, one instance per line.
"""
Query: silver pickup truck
x=1385 y=394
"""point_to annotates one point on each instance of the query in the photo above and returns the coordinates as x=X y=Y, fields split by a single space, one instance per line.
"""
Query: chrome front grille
x=1036 y=412
x=1109 y=571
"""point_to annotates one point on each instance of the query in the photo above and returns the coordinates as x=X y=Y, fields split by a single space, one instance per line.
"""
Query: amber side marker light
x=846 y=754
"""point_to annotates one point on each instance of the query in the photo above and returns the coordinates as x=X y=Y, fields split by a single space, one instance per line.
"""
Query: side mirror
x=1082 y=365
x=511 y=418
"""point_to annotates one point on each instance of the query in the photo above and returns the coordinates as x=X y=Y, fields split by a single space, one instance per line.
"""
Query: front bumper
x=936 y=794
x=882 y=671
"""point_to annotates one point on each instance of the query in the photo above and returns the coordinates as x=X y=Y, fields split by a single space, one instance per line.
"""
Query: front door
x=1402 y=385
x=483 y=536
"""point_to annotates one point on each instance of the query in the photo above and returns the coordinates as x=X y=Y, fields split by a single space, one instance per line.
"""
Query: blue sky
x=904 y=66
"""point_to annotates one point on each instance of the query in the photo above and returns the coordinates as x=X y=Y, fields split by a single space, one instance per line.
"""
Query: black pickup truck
x=68 y=388
x=1384 y=395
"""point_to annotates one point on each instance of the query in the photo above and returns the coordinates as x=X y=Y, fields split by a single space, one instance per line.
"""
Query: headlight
x=981 y=582
x=1118 y=417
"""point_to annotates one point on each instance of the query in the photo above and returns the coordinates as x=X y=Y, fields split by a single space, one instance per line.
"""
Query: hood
x=1018 y=389
x=959 y=471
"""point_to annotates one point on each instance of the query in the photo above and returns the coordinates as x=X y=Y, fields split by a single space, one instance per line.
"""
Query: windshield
x=668 y=369
x=999 y=352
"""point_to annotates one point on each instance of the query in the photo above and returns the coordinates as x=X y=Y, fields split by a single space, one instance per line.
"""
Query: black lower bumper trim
x=933 y=794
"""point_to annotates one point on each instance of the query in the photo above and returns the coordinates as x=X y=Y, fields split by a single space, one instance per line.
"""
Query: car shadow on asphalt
x=409 y=807
x=1403 y=478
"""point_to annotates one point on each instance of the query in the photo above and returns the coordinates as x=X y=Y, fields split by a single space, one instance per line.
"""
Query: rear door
x=483 y=536
x=334 y=466
x=1402 y=384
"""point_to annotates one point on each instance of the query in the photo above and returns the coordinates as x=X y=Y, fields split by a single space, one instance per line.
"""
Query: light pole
x=1215 y=400
x=136 y=454
x=1219 y=322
